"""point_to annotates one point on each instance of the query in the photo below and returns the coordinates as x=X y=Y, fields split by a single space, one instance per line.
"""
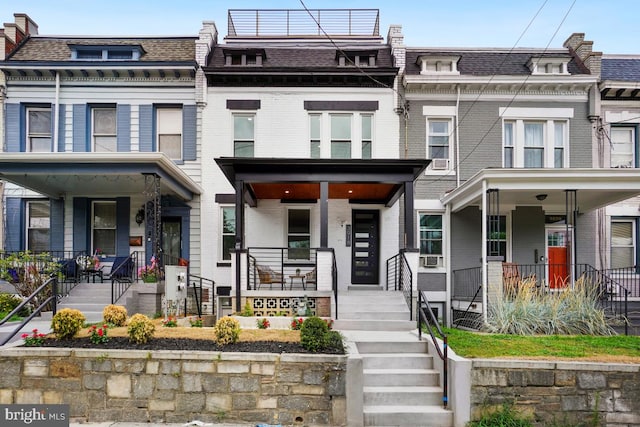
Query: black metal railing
x=123 y=275
x=612 y=296
x=428 y=319
x=44 y=297
x=279 y=267
x=400 y=278
x=199 y=291
x=466 y=284
x=334 y=279
x=629 y=277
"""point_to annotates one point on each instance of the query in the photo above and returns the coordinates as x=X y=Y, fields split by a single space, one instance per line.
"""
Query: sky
x=610 y=24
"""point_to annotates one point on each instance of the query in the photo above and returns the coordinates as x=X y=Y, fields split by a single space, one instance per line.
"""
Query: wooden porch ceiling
x=311 y=191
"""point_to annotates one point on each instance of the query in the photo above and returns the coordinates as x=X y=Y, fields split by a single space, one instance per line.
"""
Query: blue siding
x=122 y=225
x=61 y=119
x=123 y=113
x=146 y=128
x=56 y=230
x=80 y=128
x=80 y=224
x=14 y=233
x=189 y=132
x=12 y=127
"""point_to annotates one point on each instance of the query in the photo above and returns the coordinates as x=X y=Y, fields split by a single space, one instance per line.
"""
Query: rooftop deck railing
x=303 y=22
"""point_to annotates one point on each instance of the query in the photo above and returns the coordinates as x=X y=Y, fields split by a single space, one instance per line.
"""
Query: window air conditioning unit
x=439 y=164
x=431 y=261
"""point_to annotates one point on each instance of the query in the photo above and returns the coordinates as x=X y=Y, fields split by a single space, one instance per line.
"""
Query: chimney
x=13 y=33
x=395 y=39
x=583 y=49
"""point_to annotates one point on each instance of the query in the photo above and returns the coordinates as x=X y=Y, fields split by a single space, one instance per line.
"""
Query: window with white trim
x=244 y=135
x=298 y=233
x=497 y=236
x=39 y=130
x=38 y=226
x=623 y=243
x=623 y=144
x=103 y=227
x=169 y=130
x=440 y=133
x=438 y=138
x=228 y=227
x=430 y=234
x=340 y=136
x=103 y=128
x=535 y=143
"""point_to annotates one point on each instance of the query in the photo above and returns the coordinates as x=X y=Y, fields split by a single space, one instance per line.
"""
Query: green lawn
x=480 y=345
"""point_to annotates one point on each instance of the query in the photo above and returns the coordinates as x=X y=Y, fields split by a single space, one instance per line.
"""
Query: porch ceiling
x=595 y=188
x=57 y=174
x=375 y=181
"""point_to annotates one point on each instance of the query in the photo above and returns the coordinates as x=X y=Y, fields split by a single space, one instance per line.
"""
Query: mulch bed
x=123 y=343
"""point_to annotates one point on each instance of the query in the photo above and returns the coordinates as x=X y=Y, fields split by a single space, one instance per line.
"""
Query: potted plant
x=150 y=273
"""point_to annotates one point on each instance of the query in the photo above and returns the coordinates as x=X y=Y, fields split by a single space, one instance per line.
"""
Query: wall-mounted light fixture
x=541 y=197
x=140 y=216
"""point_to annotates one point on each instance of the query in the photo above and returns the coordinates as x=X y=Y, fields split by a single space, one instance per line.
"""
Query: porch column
x=409 y=216
x=571 y=213
x=324 y=214
x=239 y=240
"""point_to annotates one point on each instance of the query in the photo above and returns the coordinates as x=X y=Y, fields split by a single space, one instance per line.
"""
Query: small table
x=299 y=277
x=92 y=273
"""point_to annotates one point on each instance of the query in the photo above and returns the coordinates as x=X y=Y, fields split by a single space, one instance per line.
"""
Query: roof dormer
x=106 y=53
x=549 y=65
x=244 y=57
x=356 y=58
x=430 y=64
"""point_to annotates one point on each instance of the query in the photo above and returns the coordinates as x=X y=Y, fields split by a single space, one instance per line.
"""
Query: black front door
x=364 y=249
x=171 y=238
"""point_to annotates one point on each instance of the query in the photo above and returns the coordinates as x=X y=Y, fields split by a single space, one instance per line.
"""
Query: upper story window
x=438 y=64
x=104 y=130
x=623 y=243
x=38 y=130
x=549 y=65
x=244 y=57
x=357 y=58
x=243 y=135
x=106 y=53
x=228 y=214
x=169 y=132
x=623 y=147
x=367 y=138
x=539 y=141
x=440 y=128
x=38 y=223
x=314 y=135
x=340 y=136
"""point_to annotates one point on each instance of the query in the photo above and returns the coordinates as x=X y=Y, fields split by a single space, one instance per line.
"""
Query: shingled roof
x=621 y=69
x=156 y=49
x=491 y=62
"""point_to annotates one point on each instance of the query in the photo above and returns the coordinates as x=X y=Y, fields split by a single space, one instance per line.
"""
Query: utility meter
x=175 y=282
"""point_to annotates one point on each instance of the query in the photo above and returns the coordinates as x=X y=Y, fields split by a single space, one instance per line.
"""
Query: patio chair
x=122 y=270
x=268 y=276
x=310 y=277
x=69 y=271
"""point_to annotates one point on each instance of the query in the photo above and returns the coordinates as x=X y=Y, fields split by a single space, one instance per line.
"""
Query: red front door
x=558 y=258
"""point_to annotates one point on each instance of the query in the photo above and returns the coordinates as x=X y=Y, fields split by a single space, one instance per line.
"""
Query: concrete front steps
x=371 y=308
x=89 y=298
x=401 y=388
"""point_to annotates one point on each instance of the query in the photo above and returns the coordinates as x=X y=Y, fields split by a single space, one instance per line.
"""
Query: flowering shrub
x=263 y=323
x=67 y=322
x=227 y=330
x=98 y=335
x=170 y=322
x=140 y=328
x=87 y=262
x=296 y=324
x=150 y=273
x=196 y=322
x=115 y=315
x=36 y=339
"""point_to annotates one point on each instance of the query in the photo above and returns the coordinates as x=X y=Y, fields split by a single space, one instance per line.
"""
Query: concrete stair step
x=401 y=377
x=408 y=395
x=404 y=361
x=399 y=347
x=374 y=325
x=424 y=416
x=373 y=315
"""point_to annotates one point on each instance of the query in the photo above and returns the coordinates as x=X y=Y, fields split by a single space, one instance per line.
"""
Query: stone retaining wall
x=573 y=392
x=178 y=386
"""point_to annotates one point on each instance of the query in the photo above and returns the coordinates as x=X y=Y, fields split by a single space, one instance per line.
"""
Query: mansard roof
x=621 y=68
x=57 y=48
x=489 y=62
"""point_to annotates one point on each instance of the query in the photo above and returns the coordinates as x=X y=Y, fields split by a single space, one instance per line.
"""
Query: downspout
x=457 y=138
x=56 y=114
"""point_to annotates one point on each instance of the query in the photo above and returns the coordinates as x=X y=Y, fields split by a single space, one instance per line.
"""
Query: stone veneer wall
x=564 y=391
x=178 y=386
